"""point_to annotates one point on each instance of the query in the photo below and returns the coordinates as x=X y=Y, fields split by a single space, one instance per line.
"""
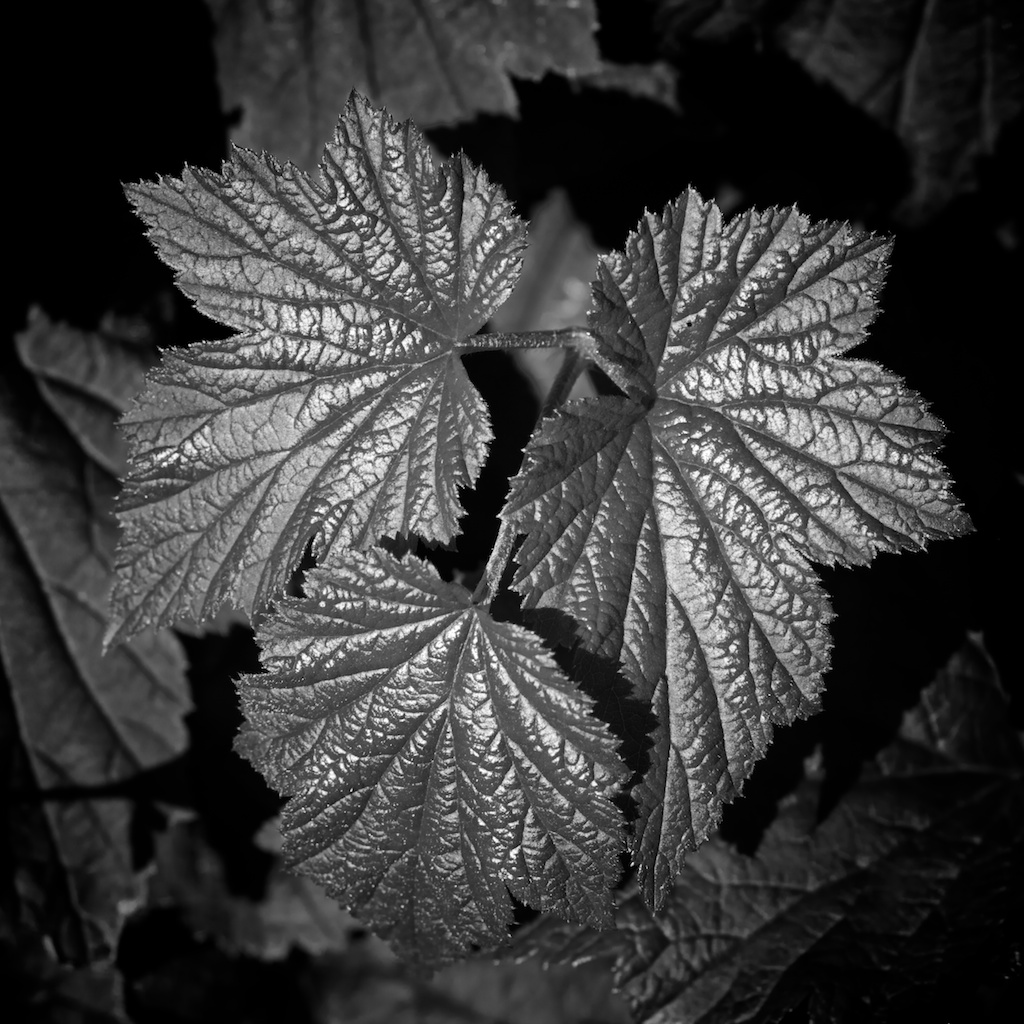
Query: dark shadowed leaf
x=654 y=82
x=290 y=64
x=945 y=76
x=87 y=380
x=524 y=993
x=912 y=876
x=71 y=856
x=677 y=525
x=360 y=989
x=77 y=718
x=342 y=413
x=38 y=990
x=437 y=759
x=294 y=913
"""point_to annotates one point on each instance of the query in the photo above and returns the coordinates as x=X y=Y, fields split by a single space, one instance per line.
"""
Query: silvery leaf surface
x=677 y=523
x=340 y=411
x=437 y=759
x=911 y=876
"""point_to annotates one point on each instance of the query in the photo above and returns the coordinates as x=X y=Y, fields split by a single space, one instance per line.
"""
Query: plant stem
x=572 y=366
x=577 y=338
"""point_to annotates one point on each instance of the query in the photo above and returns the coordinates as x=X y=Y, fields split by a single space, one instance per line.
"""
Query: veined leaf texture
x=436 y=759
x=910 y=858
x=74 y=718
x=677 y=525
x=340 y=412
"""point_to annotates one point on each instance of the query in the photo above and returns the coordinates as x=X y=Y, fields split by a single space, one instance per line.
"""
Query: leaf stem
x=578 y=339
x=573 y=365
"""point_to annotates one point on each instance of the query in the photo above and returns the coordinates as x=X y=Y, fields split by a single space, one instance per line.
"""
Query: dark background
x=119 y=92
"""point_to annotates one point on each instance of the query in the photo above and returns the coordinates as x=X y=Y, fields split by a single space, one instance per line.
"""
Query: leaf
x=908 y=872
x=653 y=83
x=294 y=912
x=523 y=993
x=944 y=76
x=38 y=990
x=289 y=65
x=362 y=989
x=437 y=759
x=676 y=525
x=74 y=718
x=342 y=414
x=73 y=879
x=86 y=379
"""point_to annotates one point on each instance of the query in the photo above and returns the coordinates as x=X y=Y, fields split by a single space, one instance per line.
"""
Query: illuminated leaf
x=342 y=413
x=436 y=759
x=677 y=525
